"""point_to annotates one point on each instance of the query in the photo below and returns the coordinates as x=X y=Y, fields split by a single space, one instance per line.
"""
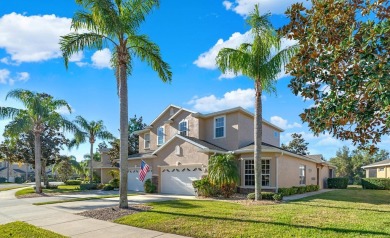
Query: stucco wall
x=269 y=135
x=384 y=173
x=245 y=130
x=193 y=124
x=104 y=161
x=288 y=171
x=105 y=177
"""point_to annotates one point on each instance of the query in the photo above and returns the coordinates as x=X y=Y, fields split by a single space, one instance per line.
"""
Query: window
x=183 y=128
x=276 y=134
x=160 y=135
x=249 y=173
x=381 y=169
x=219 y=127
x=147 y=141
x=302 y=175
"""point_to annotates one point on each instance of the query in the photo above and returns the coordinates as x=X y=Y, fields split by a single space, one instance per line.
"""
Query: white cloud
x=283 y=123
x=32 y=38
x=229 y=75
x=65 y=111
x=238 y=98
x=101 y=59
x=207 y=59
x=6 y=77
x=244 y=7
x=77 y=57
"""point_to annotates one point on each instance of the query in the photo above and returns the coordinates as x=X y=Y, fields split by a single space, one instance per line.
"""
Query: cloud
x=77 y=57
x=207 y=59
x=244 y=7
x=32 y=38
x=101 y=59
x=7 y=78
x=237 y=98
x=65 y=111
x=283 y=123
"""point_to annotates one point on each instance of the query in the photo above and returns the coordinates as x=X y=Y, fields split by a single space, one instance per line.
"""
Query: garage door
x=133 y=183
x=178 y=179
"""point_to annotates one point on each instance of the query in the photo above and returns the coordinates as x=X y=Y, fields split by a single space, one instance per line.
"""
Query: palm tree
x=223 y=172
x=261 y=61
x=40 y=111
x=116 y=23
x=90 y=131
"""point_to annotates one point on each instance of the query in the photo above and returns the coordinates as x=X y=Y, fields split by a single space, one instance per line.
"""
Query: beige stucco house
x=104 y=166
x=10 y=171
x=178 y=143
x=379 y=169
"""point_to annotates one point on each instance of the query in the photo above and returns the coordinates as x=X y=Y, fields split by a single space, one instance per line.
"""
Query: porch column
x=277 y=174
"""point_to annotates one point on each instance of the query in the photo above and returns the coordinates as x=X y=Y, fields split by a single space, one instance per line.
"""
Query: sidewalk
x=64 y=222
x=303 y=195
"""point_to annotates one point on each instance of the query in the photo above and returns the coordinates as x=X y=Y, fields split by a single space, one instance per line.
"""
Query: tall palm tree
x=40 y=111
x=115 y=24
x=261 y=61
x=90 y=131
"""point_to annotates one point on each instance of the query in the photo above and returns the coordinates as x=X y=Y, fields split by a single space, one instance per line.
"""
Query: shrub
x=108 y=187
x=266 y=196
x=341 y=183
x=19 y=180
x=149 y=187
x=114 y=182
x=52 y=186
x=3 y=180
x=312 y=188
x=223 y=173
x=204 y=188
x=298 y=190
x=73 y=182
x=376 y=183
x=88 y=186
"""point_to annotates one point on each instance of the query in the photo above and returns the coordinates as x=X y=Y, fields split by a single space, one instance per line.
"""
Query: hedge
x=88 y=186
x=266 y=196
x=341 y=183
x=298 y=190
x=73 y=182
x=3 y=180
x=376 y=183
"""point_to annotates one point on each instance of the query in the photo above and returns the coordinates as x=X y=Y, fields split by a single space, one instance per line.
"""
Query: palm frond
x=234 y=60
x=105 y=135
x=148 y=51
x=83 y=123
x=9 y=112
x=134 y=12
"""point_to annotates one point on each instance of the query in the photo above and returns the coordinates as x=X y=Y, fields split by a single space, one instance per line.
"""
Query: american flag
x=143 y=171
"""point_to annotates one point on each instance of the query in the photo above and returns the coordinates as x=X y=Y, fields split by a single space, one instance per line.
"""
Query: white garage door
x=133 y=183
x=178 y=179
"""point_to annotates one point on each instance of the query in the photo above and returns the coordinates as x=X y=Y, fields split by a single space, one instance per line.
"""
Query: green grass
x=79 y=199
x=61 y=189
x=340 y=213
x=21 y=230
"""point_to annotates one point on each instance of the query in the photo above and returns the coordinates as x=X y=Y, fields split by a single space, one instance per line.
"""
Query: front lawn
x=60 y=189
x=20 y=230
x=340 y=213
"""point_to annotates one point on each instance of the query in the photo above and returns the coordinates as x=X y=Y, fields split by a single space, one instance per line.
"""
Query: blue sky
x=189 y=33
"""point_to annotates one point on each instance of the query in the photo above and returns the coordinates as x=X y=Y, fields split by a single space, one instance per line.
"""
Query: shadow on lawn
x=337 y=207
x=338 y=230
x=375 y=197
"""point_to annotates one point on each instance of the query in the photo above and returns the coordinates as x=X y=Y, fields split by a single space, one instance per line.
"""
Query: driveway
x=60 y=218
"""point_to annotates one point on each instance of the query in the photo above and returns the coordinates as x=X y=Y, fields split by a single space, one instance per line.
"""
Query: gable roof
x=378 y=164
x=203 y=145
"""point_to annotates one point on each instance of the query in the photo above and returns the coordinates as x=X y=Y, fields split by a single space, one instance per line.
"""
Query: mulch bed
x=113 y=213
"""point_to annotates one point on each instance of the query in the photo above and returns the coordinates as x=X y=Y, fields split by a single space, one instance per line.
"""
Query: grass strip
x=20 y=229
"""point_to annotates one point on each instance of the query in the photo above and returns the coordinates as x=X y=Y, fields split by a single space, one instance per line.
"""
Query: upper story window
x=219 y=127
x=183 y=128
x=147 y=141
x=160 y=135
x=276 y=134
x=302 y=174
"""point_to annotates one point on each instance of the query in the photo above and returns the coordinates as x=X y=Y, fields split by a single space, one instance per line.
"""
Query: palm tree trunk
x=258 y=138
x=90 y=165
x=37 y=149
x=26 y=171
x=44 y=174
x=124 y=124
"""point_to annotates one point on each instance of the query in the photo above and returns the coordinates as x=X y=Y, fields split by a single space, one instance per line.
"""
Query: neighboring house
x=15 y=170
x=178 y=143
x=379 y=169
x=104 y=166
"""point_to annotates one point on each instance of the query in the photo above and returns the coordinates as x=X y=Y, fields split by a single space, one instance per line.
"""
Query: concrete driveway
x=60 y=218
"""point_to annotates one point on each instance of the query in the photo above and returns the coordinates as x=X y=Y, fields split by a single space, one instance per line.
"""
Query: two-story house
x=178 y=143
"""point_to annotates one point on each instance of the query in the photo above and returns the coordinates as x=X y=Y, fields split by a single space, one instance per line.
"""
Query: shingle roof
x=205 y=144
x=378 y=164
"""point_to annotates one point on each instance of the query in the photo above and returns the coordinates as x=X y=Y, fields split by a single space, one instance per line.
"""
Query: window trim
x=224 y=126
x=243 y=172
x=304 y=175
x=186 y=121
x=145 y=141
x=163 y=135
x=381 y=169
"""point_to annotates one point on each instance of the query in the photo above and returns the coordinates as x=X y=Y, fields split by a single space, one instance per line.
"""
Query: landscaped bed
x=113 y=213
x=21 y=230
x=339 y=213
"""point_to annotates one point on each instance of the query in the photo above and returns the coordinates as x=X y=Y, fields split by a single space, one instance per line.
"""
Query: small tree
x=297 y=145
x=223 y=173
x=66 y=167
